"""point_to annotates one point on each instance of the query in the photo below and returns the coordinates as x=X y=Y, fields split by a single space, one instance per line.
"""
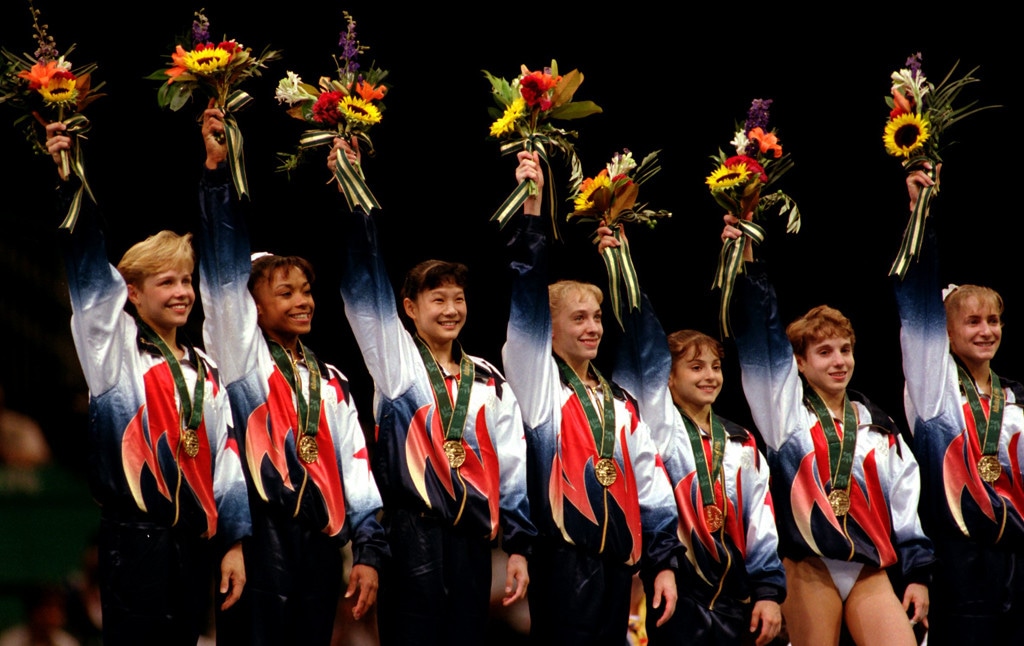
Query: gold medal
x=605 y=472
x=989 y=468
x=308 y=450
x=190 y=442
x=456 y=453
x=713 y=517
x=840 y=501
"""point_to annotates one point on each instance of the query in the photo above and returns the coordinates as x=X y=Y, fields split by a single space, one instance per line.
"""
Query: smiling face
x=576 y=328
x=438 y=313
x=975 y=330
x=696 y=379
x=828 y=366
x=284 y=304
x=164 y=299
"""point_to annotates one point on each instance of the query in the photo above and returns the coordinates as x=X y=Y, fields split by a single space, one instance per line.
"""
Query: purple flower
x=200 y=29
x=757 y=116
x=914 y=64
x=349 y=45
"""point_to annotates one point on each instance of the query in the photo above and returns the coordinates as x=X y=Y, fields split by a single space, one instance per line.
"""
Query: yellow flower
x=504 y=124
x=905 y=134
x=205 y=59
x=360 y=110
x=60 y=88
x=583 y=201
x=727 y=176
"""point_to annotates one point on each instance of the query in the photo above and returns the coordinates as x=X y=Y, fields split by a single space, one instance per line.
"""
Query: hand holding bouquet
x=920 y=113
x=346 y=107
x=739 y=184
x=215 y=69
x=524 y=115
x=610 y=198
x=46 y=83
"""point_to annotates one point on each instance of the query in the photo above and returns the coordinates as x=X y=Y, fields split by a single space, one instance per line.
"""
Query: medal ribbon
x=452 y=420
x=840 y=454
x=603 y=429
x=706 y=477
x=990 y=441
x=191 y=407
x=309 y=415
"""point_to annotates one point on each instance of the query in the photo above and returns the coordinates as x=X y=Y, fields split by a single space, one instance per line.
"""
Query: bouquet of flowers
x=919 y=114
x=46 y=82
x=739 y=183
x=610 y=197
x=215 y=70
x=346 y=107
x=524 y=115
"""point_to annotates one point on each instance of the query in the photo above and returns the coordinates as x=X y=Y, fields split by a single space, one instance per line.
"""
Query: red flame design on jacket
x=157 y=423
x=268 y=427
x=578 y=456
x=424 y=444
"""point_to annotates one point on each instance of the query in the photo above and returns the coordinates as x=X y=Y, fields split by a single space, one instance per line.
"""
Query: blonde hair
x=159 y=252
x=558 y=292
x=820 y=323
x=957 y=298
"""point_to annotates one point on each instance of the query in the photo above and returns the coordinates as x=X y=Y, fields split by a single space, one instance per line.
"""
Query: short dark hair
x=264 y=267
x=431 y=274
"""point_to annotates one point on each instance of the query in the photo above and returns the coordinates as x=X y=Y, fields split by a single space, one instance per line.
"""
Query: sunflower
x=906 y=134
x=583 y=201
x=359 y=110
x=201 y=60
x=506 y=122
x=727 y=176
x=60 y=88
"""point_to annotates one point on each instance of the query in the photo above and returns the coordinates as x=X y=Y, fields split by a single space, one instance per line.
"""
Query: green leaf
x=575 y=110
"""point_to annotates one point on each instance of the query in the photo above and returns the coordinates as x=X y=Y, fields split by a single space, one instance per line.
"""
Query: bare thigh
x=874 y=615
x=813 y=610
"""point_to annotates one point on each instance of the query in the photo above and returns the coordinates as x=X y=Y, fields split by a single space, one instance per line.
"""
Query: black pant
x=976 y=596
x=576 y=597
x=293 y=581
x=154 y=584
x=436 y=588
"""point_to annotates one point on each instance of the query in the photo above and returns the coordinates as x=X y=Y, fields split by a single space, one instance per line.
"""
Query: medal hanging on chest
x=714 y=515
x=308 y=414
x=989 y=468
x=602 y=426
x=453 y=418
x=840 y=452
x=190 y=410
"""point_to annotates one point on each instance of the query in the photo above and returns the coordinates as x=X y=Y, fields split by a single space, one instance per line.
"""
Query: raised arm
x=923 y=336
x=527 y=353
x=230 y=329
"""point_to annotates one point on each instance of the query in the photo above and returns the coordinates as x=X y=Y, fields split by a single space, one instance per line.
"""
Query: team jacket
x=336 y=494
x=138 y=470
x=635 y=517
x=882 y=526
x=489 y=490
x=959 y=502
x=744 y=563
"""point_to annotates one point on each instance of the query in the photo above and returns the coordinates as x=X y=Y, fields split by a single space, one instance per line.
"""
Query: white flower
x=290 y=90
x=904 y=82
x=621 y=164
x=63 y=64
x=740 y=142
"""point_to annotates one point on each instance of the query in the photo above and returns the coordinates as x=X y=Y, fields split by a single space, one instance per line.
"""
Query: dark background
x=671 y=79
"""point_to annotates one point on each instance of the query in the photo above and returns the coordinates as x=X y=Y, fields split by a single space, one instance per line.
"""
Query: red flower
x=229 y=46
x=325 y=110
x=534 y=88
x=751 y=163
x=40 y=74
